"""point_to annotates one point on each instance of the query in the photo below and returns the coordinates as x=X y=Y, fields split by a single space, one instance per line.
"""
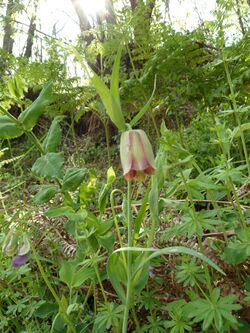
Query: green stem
x=236 y=114
x=152 y=231
x=199 y=238
x=87 y=295
x=74 y=137
x=107 y=136
x=112 y=204
x=242 y=218
x=36 y=142
x=53 y=292
x=130 y=242
x=100 y=283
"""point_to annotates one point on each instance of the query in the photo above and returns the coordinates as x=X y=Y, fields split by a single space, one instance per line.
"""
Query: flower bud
x=137 y=156
x=10 y=243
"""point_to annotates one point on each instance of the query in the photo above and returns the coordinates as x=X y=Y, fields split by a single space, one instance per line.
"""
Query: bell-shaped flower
x=137 y=156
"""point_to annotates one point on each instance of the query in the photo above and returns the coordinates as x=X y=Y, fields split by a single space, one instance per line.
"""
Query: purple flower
x=20 y=260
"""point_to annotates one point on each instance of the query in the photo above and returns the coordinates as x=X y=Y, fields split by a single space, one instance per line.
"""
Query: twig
x=119 y=207
x=219 y=234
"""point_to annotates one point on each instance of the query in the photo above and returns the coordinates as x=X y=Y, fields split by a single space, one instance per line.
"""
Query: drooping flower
x=137 y=156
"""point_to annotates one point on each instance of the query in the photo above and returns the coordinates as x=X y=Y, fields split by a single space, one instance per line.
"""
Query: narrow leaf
x=169 y=250
x=141 y=113
x=114 y=86
x=110 y=102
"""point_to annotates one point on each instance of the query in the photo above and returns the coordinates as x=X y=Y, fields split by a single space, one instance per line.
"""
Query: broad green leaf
x=47 y=192
x=82 y=275
x=30 y=116
x=73 y=178
x=117 y=272
x=236 y=253
x=9 y=129
x=100 y=227
x=73 y=276
x=107 y=240
x=49 y=165
x=75 y=218
x=16 y=87
x=46 y=309
x=67 y=273
x=53 y=137
x=58 y=211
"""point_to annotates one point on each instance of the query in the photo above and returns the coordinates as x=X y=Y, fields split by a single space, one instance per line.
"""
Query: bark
x=133 y=4
x=84 y=23
x=239 y=14
x=30 y=38
x=8 y=40
x=110 y=17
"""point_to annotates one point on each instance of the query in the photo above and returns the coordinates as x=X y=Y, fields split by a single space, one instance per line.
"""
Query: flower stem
x=130 y=242
x=236 y=114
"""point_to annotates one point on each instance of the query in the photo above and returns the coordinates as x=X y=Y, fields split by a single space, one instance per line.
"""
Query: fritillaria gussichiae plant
x=128 y=267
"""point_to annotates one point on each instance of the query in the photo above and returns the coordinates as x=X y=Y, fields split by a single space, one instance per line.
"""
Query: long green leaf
x=110 y=102
x=141 y=113
x=114 y=85
x=168 y=250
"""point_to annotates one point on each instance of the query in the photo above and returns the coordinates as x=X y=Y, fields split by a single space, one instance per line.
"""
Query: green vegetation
x=142 y=242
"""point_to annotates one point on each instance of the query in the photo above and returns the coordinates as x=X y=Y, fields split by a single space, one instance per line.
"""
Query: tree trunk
x=30 y=38
x=8 y=40
x=110 y=17
x=84 y=23
x=133 y=4
x=239 y=14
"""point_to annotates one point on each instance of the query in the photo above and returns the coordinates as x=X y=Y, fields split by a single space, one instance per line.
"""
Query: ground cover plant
x=125 y=196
